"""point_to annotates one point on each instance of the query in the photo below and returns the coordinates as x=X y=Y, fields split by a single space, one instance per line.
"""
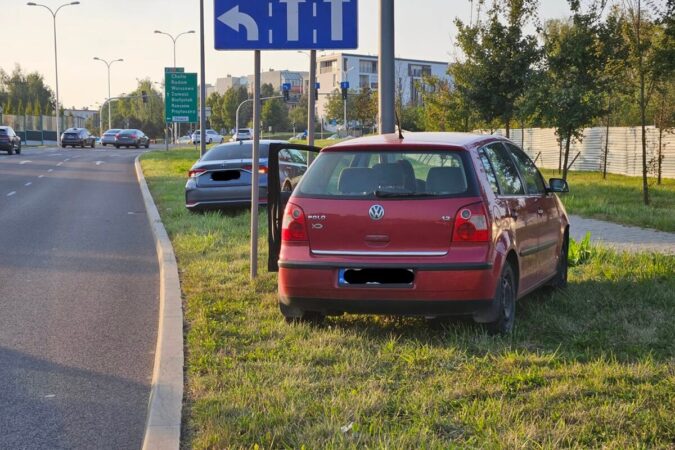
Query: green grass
x=619 y=199
x=592 y=366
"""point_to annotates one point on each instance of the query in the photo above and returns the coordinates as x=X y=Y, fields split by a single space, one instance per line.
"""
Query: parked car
x=109 y=136
x=211 y=137
x=243 y=134
x=131 y=138
x=77 y=137
x=222 y=177
x=187 y=139
x=9 y=141
x=434 y=224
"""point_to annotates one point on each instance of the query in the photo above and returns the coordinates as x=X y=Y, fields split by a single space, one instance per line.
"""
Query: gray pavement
x=78 y=300
x=621 y=237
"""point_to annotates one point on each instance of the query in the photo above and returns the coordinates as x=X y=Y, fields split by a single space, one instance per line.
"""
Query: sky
x=112 y=29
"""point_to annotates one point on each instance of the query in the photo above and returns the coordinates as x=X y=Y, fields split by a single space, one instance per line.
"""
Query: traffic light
x=144 y=96
x=286 y=88
x=345 y=89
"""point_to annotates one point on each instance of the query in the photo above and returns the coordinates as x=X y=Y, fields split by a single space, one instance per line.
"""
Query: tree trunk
x=522 y=134
x=560 y=154
x=508 y=129
x=658 y=179
x=643 y=120
x=604 y=166
x=567 y=153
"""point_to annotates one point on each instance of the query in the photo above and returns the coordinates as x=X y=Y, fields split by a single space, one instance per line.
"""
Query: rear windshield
x=388 y=174
x=3 y=131
x=237 y=151
x=129 y=132
x=112 y=131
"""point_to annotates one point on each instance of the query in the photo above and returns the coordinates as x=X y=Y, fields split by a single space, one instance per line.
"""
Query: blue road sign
x=344 y=85
x=317 y=86
x=286 y=86
x=286 y=24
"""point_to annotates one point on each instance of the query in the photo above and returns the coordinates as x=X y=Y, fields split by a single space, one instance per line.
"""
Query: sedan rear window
x=3 y=131
x=236 y=151
x=388 y=174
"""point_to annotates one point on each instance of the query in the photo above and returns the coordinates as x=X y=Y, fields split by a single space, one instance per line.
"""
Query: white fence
x=624 y=156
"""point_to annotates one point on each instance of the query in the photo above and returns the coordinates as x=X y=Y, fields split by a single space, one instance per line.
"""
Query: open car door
x=278 y=195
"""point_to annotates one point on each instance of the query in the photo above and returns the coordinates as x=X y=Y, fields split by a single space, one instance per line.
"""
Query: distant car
x=222 y=177
x=9 y=141
x=211 y=137
x=300 y=136
x=243 y=134
x=109 y=136
x=131 y=138
x=187 y=139
x=78 y=137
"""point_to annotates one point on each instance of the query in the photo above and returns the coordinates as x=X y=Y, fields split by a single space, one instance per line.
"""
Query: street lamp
x=56 y=63
x=174 y=39
x=96 y=58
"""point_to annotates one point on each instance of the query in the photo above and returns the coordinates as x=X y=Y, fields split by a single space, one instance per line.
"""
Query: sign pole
x=255 y=188
x=387 y=69
x=311 y=108
x=202 y=89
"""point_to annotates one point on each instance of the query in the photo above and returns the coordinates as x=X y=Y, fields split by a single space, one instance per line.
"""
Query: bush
x=580 y=252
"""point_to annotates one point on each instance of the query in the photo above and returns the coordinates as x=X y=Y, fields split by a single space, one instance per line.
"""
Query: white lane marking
x=59 y=164
x=50 y=170
x=98 y=163
x=11 y=193
x=50 y=396
x=66 y=160
x=28 y=184
x=25 y=162
x=41 y=176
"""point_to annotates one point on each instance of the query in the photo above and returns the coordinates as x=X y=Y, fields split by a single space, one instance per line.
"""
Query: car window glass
x=533 y=180
x=284 y=156
x=489 y=171
x=505 y=170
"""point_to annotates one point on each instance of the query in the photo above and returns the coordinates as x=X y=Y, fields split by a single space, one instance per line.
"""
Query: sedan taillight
x=193 y=173
x=261 y=169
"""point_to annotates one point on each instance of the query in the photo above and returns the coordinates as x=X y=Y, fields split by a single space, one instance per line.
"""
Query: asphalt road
x=79 y=288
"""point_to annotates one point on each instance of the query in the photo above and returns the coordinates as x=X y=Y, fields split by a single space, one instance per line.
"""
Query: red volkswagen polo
x=431 y=224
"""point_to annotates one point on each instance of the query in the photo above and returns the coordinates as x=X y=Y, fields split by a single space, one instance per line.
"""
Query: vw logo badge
x=376 y=212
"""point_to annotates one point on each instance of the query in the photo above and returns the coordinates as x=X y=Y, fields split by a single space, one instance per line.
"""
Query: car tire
x=138 y=145
x=93 y=144
x=63 y=146
x=559 y=281
x=10 y=151
x=147 y=145
x=506 y=295
x=18 y=149
x=117 y=146
x=294 y=315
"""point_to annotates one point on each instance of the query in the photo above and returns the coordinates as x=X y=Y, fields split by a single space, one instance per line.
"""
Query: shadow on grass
x=627 y=321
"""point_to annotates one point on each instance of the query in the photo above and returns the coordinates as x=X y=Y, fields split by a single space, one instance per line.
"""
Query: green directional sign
x=181 y=97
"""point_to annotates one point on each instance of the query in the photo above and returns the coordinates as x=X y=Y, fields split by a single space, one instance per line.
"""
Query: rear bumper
x=6 y=146
x=203 y=198
x=72 y=142
x=438 y=289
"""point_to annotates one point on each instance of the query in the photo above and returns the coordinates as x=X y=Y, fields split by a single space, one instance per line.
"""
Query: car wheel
x=147 y=144
x=82 y=144
x=104 y=144
x=63 y=146
x=93 y=144
x=18 y=149
x=505 y=296
x=295 y=315
x=117 y=146
x=560 y=279
x=10 y=151
x=210 y=141
x=138 y=145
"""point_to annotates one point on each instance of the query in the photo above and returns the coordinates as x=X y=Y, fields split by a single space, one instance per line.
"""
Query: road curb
x=163 y=423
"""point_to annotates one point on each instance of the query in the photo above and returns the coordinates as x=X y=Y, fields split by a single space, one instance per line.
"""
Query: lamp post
x=108 y=64
x=344 y=102
x=311 y=105
x=174 y=39
x=56 y=63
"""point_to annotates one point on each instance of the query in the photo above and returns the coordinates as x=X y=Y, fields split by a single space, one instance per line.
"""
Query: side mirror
x=558 y=185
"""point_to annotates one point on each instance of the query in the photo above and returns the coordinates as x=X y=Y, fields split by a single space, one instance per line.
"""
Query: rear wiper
x=388 y=194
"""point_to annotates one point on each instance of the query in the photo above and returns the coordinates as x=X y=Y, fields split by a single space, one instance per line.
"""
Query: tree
x=570 y=95
x=364 y=108
x=445 y=108
x=275 y=115
x=335 y=106
x=499 y=61
x=298 y=116
x=24 y=89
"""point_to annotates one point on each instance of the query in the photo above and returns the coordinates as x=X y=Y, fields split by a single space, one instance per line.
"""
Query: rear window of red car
x=372 y=174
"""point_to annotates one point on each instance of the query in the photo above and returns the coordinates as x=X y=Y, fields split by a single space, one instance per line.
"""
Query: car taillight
x=294 y=226
x=471 y=224
x=118 y=135
x=195 y=172
x=261 y=169
x=133 y=136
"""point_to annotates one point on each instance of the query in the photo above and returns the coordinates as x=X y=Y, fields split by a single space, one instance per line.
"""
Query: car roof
x=450 y=139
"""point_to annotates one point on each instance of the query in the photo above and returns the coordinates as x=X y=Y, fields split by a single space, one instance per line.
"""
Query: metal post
x=311 y=107
x=344 y=105
x=255 y=167
x=56 y=69
x=387 y=69
x=202 y=90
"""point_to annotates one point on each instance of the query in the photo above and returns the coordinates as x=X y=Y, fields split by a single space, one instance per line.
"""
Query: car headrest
x=446 y=180
x=356 y=180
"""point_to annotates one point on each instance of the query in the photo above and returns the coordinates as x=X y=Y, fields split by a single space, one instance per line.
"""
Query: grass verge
x=592 y=366
x=619 y=199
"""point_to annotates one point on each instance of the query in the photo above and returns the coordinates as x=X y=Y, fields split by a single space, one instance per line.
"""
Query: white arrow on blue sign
x=286 y=24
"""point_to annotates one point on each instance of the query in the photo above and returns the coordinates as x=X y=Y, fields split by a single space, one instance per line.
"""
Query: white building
x=361 y=72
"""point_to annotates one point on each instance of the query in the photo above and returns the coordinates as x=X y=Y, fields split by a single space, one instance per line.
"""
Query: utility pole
x=202 y=82
x=387 y=87
x=255 y=166
x=311 y=107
